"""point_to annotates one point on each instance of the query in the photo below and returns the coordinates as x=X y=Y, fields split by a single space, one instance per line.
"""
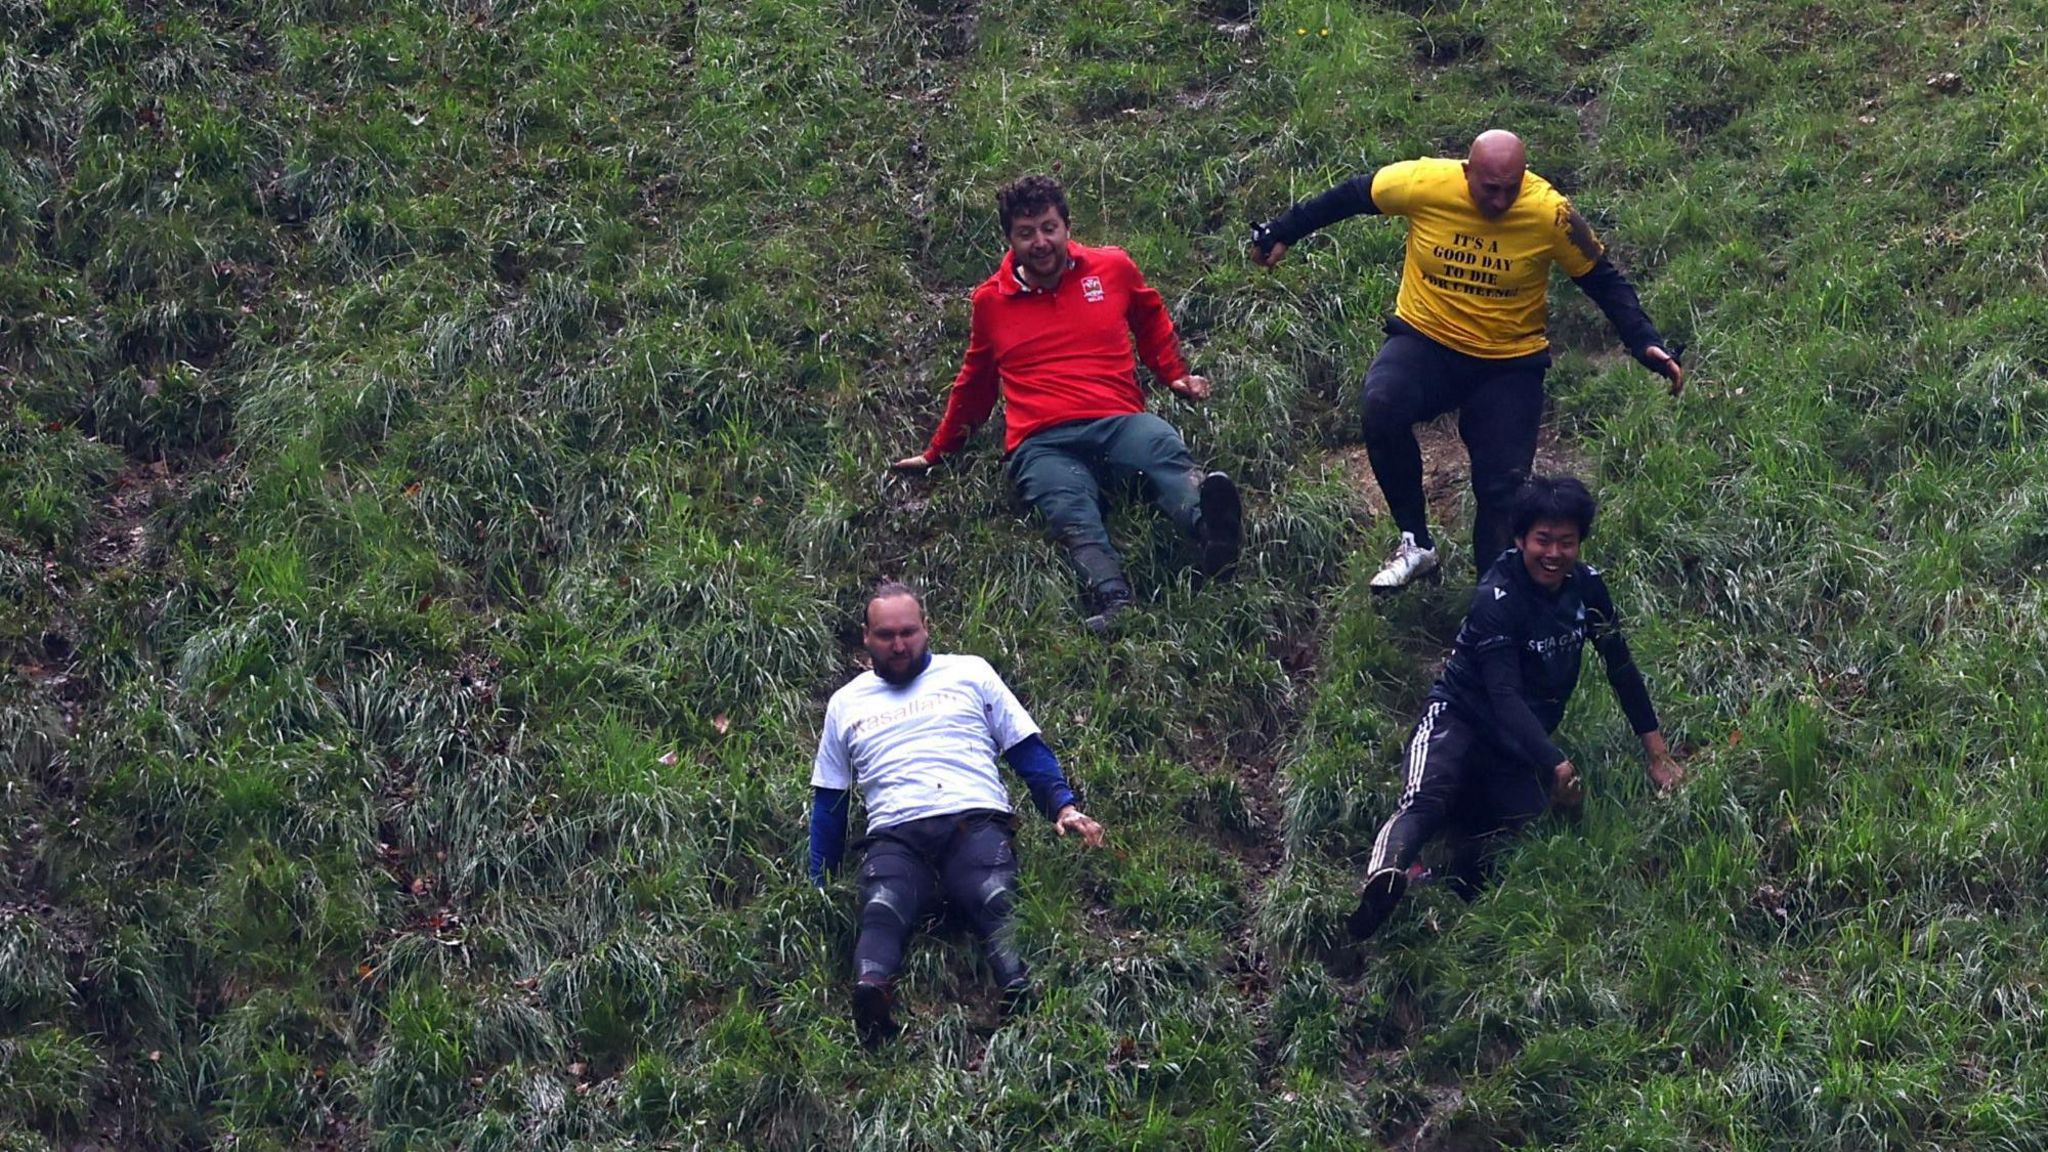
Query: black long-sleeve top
x=1516 y=660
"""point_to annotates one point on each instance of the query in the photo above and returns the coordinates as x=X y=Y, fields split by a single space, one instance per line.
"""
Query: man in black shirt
x=1481 y=763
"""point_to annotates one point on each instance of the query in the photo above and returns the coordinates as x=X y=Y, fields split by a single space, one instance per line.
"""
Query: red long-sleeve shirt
x=1062 y=355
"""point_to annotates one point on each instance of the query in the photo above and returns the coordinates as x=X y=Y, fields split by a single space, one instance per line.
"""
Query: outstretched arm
x=1575 y=245
x=1353 y=197
x=1627 y=681
x=1031 y=759
x=972 y=399
x=1158 y=345
x=1609 y=287
x=1629 y=690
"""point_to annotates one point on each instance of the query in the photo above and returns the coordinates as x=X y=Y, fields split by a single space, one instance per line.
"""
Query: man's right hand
x=1567 y=792
x=1268 y=256
x=918 y=463
x=1668 y=367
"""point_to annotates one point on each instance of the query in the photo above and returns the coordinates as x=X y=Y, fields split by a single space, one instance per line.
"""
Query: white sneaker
x=1408 y=562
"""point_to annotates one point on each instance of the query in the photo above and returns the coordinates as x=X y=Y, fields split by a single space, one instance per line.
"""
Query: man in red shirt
x=1052 y=334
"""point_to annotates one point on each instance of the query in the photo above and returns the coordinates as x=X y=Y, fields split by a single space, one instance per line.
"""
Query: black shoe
x=1016 y=997
x=871 y=1019
x=1220 y=531
x=1111 y=598
x=1383 y=889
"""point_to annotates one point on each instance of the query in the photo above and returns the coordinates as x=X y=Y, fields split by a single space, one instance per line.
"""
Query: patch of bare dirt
x=62 y=695
x=1446 y=470
x=118 y=539
x=1593 y=116
x=1440 y=1129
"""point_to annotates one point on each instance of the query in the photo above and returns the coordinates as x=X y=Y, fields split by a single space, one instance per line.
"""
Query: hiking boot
x=1111 y=598
x=1383 y=889
x=871 y=1019
x=1410 y=562
x=1220 y=531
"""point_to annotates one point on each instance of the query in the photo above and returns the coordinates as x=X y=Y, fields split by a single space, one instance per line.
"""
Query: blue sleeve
x=1032 y=760
x=828 y=831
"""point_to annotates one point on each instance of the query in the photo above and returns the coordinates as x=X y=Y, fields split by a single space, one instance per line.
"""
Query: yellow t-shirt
x=1480 y=286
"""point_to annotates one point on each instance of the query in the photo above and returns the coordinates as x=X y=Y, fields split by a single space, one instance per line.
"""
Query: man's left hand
x=1191 y=387
x=1072 y=819
x=1668 y=366
x=1666 y=773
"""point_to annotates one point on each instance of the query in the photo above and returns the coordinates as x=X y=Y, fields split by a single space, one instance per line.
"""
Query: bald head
x=1493 y=171
x=1499 y=148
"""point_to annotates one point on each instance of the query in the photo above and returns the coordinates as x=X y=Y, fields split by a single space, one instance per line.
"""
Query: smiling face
x=1550 y=550
x=1039 y=243
x=895 y=637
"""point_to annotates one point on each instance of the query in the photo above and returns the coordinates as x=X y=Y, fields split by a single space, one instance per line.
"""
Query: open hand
x=1666 y=773
x=917 y=463
x=1072 y=819
x=1191 y=387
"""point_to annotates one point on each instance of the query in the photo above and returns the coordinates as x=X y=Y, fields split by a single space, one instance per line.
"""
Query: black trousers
x=1499 y=405
x=968 y=858
x=1459 y=783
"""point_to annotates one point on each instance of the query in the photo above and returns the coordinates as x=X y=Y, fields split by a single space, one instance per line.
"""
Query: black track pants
x=1456 y=782
x=1499 y=405
x=968 y=859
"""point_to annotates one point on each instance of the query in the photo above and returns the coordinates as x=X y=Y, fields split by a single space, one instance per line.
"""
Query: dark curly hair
x=1028 y=196
x=1553 y=498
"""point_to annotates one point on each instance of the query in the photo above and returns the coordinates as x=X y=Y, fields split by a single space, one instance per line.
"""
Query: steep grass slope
x=443 y=455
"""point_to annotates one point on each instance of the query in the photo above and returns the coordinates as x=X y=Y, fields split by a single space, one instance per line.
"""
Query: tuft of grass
x=50 y=1078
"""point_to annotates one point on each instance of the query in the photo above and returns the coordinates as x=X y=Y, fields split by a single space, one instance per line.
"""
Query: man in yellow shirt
x=1469 y=325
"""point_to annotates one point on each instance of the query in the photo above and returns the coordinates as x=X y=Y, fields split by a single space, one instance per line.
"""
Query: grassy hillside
x=442 y=457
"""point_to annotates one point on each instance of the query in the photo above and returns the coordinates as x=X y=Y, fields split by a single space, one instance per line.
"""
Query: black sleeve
x=1610 y=289
x=1493 y=635
x=1622 y=674
x=1501 y=667
x=1351 y=198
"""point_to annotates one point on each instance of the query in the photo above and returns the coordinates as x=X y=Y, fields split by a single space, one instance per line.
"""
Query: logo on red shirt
x=1092 y=289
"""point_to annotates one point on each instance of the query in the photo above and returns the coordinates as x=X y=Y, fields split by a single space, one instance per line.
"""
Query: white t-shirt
x=927 y=748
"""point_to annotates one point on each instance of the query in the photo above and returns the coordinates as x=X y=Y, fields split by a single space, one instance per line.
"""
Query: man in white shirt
x=919 y=736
